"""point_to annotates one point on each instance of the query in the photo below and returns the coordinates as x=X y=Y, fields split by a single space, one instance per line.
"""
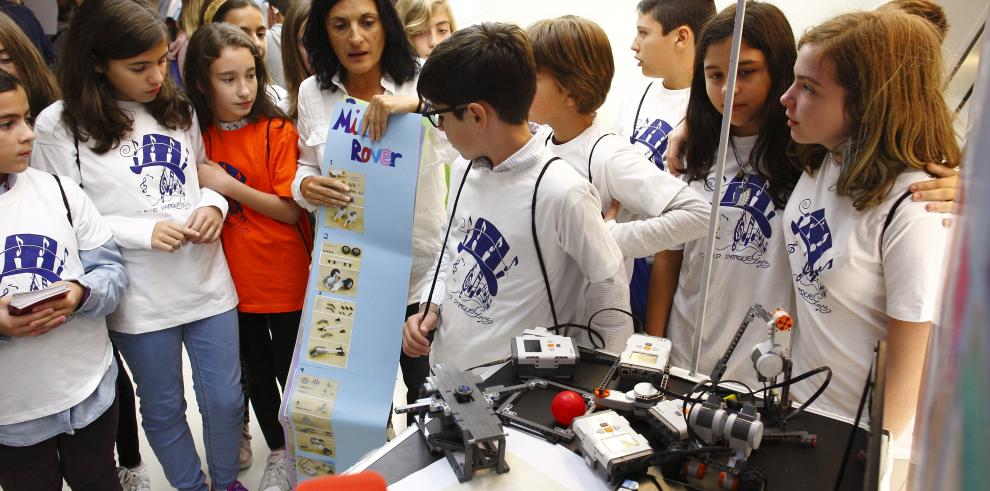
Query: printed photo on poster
x=340 y=266
x=308 y=411
x=313 y=468
x=351 y=216
x=317 y=444
x=327 y=353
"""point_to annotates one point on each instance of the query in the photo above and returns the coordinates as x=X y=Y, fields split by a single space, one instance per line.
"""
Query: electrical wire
x=490 y=363
x=637 y=323
x=800 y=409
x=592 y=333
x=867 y=388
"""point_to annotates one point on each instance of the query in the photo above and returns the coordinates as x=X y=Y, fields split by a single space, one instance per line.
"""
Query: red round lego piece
x=566 y=406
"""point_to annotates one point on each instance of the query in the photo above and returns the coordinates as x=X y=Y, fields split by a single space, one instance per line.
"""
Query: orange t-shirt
x=269 y=259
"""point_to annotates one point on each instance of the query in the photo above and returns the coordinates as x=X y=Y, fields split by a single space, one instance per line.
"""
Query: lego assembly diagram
x=310 y=411
x=376 y=226
x=351 y=216
x=329 y=341
x=313 y=468
x=340 y=266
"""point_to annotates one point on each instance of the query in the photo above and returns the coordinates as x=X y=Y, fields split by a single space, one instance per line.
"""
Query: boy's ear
x=684 y=38
x=479 y=114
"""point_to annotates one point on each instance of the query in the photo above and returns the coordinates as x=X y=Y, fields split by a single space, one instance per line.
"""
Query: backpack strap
x=65 y=200
x=536 y=241
x=592 y=154
x=890 y=218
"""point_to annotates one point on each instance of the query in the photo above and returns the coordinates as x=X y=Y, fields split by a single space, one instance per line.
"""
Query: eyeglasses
x=435 y=115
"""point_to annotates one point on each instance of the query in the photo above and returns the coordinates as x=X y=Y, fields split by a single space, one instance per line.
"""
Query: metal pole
x=723 y=148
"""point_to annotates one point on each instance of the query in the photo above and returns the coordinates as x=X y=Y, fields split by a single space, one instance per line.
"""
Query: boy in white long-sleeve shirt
x=516 y=214
x=651 y=210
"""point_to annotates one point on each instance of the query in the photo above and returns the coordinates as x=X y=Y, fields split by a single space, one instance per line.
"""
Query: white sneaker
x=245 y=457
x=276 y=476
x=135 y=479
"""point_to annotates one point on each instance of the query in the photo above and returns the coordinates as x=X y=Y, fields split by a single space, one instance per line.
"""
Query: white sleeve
x=309 y=164
x=615 y=327
x=582 y=235
x=457 y=170
x=685 y=219
x=207 y=196
x=914 y=249
x=90 y=228
x=54 y=150
x=440 y=288
x=677 y=213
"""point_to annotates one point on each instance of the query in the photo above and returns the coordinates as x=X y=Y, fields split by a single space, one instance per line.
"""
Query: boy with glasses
x=527 y=246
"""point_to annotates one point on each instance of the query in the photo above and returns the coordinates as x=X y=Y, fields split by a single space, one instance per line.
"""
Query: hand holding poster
x=343 y=372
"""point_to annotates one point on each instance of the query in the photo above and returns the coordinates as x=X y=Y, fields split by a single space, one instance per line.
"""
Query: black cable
x=590 y=330
x=852 y=431
x=809 y=373
x=800 y=409
x=443 y=247
x=751 y=393
x=637 y=323
x=536 y=242
x=667 y=454
x=491 y=363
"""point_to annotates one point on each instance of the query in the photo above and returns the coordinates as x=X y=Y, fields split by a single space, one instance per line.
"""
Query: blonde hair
x=890 y=65
x=415 y=15
x=189 y=16
x=577 y=53
x=293 y=66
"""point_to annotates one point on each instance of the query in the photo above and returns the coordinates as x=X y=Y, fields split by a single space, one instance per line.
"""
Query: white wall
x=618 y=18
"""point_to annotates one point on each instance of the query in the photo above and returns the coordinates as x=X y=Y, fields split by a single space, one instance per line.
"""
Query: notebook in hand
x=22 y=303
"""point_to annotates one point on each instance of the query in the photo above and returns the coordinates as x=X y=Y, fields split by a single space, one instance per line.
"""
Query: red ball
x=566 y=406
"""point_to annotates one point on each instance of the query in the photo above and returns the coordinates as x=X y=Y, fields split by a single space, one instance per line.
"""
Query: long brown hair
x=39 y=82
x=890 y=65
x=205 y=47
x=293 y=66
x=766 y=29
x=100 y=31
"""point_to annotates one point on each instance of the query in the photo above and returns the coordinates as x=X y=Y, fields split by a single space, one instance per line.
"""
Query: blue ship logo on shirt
x=235 y=211
x=816 y=242
x=654 y=136
x=161 y=161
x=33 y=255
x=753 y=230
x=484 y=254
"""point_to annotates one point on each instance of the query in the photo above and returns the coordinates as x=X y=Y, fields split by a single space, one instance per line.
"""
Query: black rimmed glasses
x=436 y=115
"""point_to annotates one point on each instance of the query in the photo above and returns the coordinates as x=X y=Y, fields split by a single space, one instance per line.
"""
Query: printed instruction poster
x=340 y=387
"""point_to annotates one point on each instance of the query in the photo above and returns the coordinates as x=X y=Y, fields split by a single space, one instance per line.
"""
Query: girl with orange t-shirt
x=265 y=237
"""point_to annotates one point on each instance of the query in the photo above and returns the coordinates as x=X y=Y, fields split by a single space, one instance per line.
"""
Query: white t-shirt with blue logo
x=847 y=288
x=53 y=372
x=750 y=267
x=659 y=110
x=491 y=287
x=148 y=177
